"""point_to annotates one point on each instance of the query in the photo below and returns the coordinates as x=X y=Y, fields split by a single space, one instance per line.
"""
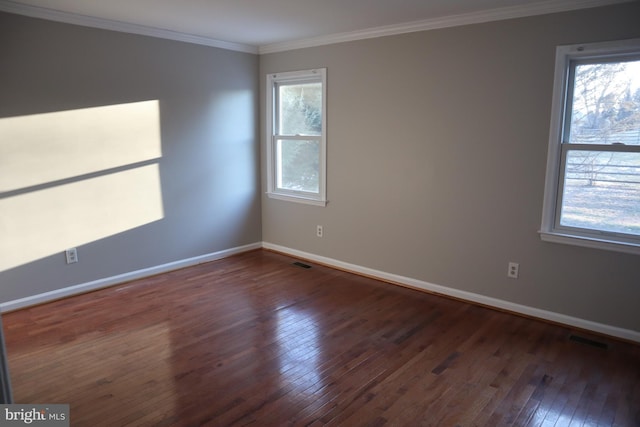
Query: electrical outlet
x=513 y=271
x=319 y=231
x=72 y=255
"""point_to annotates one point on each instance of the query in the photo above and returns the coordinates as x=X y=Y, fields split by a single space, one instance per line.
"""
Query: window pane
x=300 y=109
x=298 y=163
x=602 y=191
x=606 y=103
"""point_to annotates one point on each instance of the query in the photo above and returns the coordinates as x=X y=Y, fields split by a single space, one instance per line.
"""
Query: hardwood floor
x=253 y=339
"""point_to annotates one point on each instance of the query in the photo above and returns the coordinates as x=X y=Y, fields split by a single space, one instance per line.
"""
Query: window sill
x=297 y=199
x=590 y=242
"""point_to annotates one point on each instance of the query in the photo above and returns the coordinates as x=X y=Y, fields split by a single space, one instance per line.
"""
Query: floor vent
x=587 y=341
x=301 y=264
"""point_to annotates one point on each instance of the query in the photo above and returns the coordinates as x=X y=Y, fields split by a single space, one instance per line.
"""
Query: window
x=296 y=136
x=592 y=192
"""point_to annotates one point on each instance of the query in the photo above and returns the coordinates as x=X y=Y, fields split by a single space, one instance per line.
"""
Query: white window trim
x=319 y=199
x=548 y=230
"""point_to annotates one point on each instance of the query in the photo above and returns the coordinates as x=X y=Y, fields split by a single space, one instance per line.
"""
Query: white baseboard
x=559 y=318
x=121 y=278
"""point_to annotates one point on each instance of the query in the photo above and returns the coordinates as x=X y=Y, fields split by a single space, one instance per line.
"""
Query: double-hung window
x=592 y=192
x=296 y=136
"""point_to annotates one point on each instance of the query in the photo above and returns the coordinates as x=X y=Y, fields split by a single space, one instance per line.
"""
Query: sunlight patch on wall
x=73 y=177
x=48 y=147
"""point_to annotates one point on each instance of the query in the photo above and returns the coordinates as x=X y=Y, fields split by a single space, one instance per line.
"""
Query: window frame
x=317 y=75
x=567 y=57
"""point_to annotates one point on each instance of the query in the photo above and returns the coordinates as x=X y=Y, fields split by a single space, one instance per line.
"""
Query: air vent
x=301 y=264
x=588 y=341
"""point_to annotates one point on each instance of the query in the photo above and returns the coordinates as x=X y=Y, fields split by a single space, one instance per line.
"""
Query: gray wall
x=207 y=179
x=437 y=146
x=436 y=156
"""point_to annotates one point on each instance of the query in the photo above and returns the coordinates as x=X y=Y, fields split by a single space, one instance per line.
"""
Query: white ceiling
x=271 y=25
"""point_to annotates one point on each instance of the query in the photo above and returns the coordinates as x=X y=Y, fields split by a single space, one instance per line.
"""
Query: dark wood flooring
x=255 y=340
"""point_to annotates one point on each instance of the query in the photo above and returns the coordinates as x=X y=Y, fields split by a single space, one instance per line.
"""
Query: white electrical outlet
x=72 y=255
x=319 y=230
x=513 y=270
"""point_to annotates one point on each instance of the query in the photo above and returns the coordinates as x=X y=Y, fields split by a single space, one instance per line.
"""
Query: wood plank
x=252 y=339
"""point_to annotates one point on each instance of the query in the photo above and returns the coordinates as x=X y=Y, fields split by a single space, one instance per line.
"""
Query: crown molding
x=539 y=8
x=510 y=12
x=123 y=27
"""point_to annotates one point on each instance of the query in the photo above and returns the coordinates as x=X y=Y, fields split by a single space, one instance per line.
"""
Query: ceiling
x=271 y=25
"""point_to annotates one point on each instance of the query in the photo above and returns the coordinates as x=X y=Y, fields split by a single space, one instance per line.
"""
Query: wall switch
x=319 y=230
x=513 y=270
x=72 y=255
